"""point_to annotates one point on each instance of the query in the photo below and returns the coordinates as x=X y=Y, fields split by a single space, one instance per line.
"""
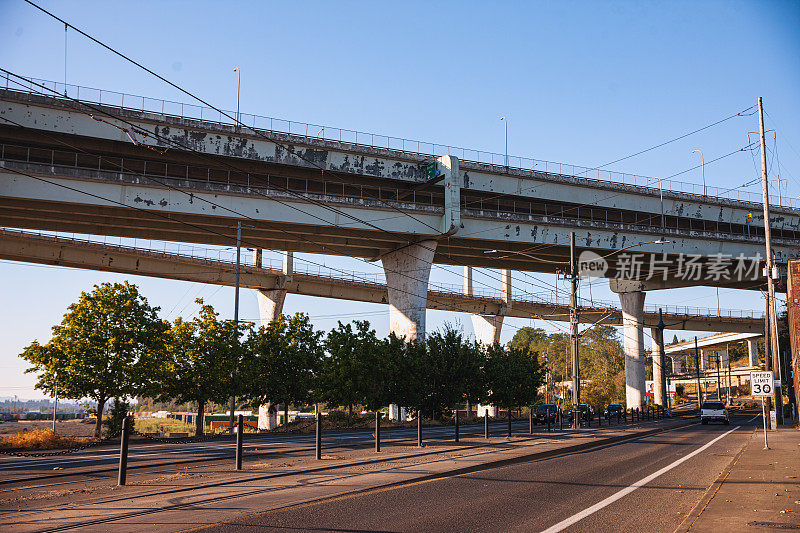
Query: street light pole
x=238 y=84
x=703 y=167
x=236 y=310
x=697 y=366
x=505 y=158
x=573 y=322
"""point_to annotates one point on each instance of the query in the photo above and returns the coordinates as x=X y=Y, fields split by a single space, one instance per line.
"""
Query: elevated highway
x=73 y=252
x=105 y=163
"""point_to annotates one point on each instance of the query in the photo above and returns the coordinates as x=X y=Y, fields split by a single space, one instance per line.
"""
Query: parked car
x=545 y=413
x=586 y=412
x=613 y=410
x=711 y=411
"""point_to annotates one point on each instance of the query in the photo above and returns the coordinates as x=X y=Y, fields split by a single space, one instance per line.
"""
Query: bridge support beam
x=407 y=272
x=752 y=352
x=487 y=328
x=633 y=347
x=658 y=368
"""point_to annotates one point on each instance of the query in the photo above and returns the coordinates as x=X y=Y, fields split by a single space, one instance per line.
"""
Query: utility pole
x=719 y=383
x=697 y=367
x=236 y=313
x=662 y=361
x=773 y=345
x=55 y=405
x=573 y=334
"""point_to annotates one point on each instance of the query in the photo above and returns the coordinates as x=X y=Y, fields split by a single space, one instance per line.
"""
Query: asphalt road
x=538 y=495
x=147 y=453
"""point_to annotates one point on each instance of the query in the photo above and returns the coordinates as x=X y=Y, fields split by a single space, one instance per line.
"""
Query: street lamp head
x=502 y=118
x=236 y=69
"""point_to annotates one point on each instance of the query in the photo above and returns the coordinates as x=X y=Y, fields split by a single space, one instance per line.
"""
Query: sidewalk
x=759 y=491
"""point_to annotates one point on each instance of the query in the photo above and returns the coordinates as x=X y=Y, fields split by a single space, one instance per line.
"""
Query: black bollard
x=318 y=440
x=419 y=427
x=239 y=437
x=600 y=419
x=509 y=422
x=377 y=431
x=486 y=424
x=548 y=420
x=530 y=420
x=561 y=421
x=457 y=428
x=123 y=453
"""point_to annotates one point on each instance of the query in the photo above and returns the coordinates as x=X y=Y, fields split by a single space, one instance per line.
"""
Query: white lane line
x=627 y=490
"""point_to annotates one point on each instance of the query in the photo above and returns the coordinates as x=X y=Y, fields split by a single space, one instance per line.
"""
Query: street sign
x=761 y=383
x=430 y=171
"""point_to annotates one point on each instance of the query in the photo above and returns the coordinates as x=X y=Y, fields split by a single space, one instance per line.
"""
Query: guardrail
x=305 y=130
x=228 y=257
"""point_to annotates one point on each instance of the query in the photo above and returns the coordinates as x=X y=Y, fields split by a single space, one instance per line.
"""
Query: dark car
x=586 y=412
x=613 y=410
x=546 y=413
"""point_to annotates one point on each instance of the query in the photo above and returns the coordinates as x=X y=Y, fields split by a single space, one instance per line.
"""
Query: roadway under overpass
x=131 y=171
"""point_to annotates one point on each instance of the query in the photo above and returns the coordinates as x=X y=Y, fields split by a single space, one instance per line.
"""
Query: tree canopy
x=108 y=345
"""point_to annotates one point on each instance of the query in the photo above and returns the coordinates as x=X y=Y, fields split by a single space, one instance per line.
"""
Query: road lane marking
x=627 y=490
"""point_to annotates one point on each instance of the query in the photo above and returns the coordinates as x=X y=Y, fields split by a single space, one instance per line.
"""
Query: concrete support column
x=752 y=351
x=468 y=281
x=676 y=365
x=723 y=359
x=506 y=281
x=658 y=368
x=487 y=328
x=270 y=307
x=704 y=359
x=633 y=346
x=491 y=409
x=407 y=272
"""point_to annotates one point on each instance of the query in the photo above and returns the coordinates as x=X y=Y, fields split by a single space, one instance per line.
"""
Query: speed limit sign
x=761 y=383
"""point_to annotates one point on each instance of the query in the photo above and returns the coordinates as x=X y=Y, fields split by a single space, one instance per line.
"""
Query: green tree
x=344 y=369
x=109 y=344
x=203 y=355
x=451 y=368
x=285 y=358
x=513 y=376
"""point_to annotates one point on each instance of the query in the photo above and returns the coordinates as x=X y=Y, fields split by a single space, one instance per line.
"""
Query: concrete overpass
x=66 y=251
x=82 y=165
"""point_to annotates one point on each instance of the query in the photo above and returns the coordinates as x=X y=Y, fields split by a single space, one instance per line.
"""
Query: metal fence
x=310 y=131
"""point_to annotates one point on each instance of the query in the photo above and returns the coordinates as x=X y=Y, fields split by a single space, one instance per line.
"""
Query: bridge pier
x=407 y=272
x=632 y=304
x=752 y=351
x=658 y=368
x=487 y=328
x=676 y=365
x=270 y=308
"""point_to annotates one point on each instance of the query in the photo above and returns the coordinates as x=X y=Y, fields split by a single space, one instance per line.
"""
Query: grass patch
x=164 y=425
x=41 y=439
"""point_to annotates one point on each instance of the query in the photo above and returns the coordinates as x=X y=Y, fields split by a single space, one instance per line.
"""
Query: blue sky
x=581 y=82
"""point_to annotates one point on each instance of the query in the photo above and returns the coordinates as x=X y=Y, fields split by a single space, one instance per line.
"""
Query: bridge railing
x=305 y=130
x=227 y=256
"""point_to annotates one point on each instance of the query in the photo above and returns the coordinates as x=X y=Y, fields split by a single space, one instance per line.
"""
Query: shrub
x=41 y=439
